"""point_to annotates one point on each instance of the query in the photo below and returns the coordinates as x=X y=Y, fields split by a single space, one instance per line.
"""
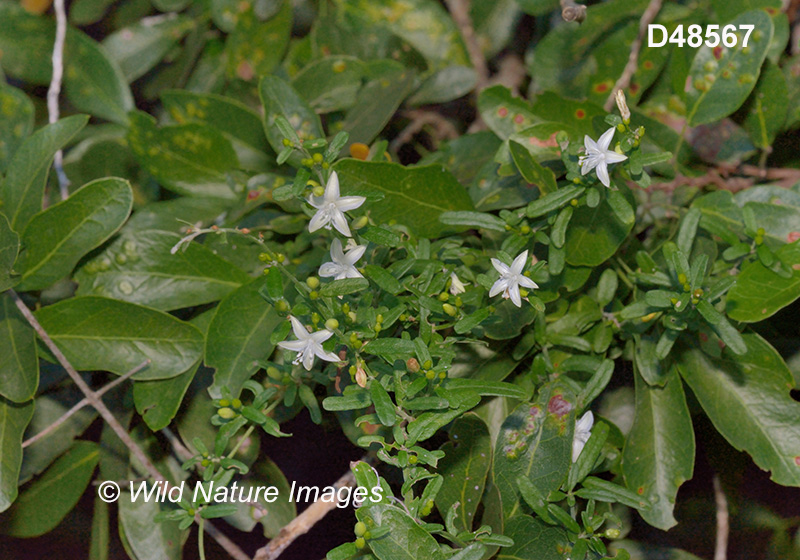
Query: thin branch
x=94 y=399
x=55 y=90
x=419 y=119
x=624 y=80
x=721 y=549
x=303 y=523
x=102 y=391
x=570 y=11
x=459 y=9
x=181 y=450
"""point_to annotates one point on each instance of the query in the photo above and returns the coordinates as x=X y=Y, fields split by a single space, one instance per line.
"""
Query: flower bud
x=331 y=324
x=622 y=105
x=412 y=365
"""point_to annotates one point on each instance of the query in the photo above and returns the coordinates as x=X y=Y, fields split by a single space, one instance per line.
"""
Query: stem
x=200 y=545
x=55 y=90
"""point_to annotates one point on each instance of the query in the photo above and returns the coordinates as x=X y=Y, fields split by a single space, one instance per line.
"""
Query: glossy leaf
x=255 y=47
x=9 y=249
x=533 y=540
x=44 y=503
x=331 y=83
x=760 y=293
x=595 y=234
x=659 y=451
x=16 y=121
x=534 y=442
x=464 y=468
x=239 y=337
x=13 y=420
x=57 y=238
x=414 y=197
x=116 y=336
x=22 y=190
x=191 y=159
x=144 y=538
x=747 y=398
x=716 y=93
x=139 y=267
x=157 y=401
x=767 y=106
x=281 y=100
x=405 y=539
x=19 y=365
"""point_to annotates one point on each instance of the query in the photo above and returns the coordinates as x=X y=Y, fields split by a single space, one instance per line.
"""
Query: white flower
x=343 y=264
x=456 y=286
x=598 y=155
x=308 y=345
x=511 y=279
x=331 y=208
x=583 y=430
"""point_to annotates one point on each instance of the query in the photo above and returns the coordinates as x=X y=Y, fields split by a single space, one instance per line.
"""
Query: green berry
x=430 y=374
x=318 y=191
x=236 y=403
x=360 y=542
x=428 y=364
x=442 y=374
x=761 y=232
x=525 y=230
x=360 y=529
x=312 y=282
x=444 y=296
x=226 y=413
x=224 y=402
x=314 y=294
x=412 y=460
x=317 y=158
x=287 y=142
x=331 y=324
x=682 y=278
x=205 y=462
x=281 y=306
x=449 y=309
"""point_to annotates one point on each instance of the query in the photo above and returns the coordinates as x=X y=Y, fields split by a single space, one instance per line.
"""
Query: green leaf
x=157 y=401
x=709 y=100
x=767 y=106
x=759 y=292
x=23 y=189
x=404 y=540
x=16 y=123
x=390 y=348
x=504 y=113
x=101 y=537
x=139 y=267
x=353 y=401
x=595 y=234
x=605 y=491
x=57 y=238
x=469 y=322
x=42 y=505
x=281 y=100
x=747 y=398
x=9 y=249
x=553 y=201
x=533 y=540
x=13 y=420
x=488 y=388
x=726 y=10
x=534 y=442
x=97 y=333
x=344 y=287
x=383 y=279
x=239 y=337
x=473 y=219
x=19 y=365
x=331 y=83
x=659 y=451
x=146 y=539
x=384 y=407
x=464 y=468
x=531 y=170
x=140 y=47
x=255 y=47
x=414 y=197
x=236 y=121
x=190 y=159
x=445 y=85
x=378 y=101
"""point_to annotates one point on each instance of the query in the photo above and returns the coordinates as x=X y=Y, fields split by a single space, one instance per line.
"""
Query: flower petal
x=605 y=139
x=588 y=163
x=299 y=329
x=513 y=291
x=340 y=223
x=614 y=157
x=526 y=282
x=519 y=262
x=332 y=188
x=354 y=254
x=590 y=145
x=321 y=336
x=499 y=286
x=327 y=356
x=319 y=220
x=347 y=203
x=585 y=423
x=329 y=269
x=308 y=360
x=337 y=254
x=352 y=272
x=500 y=267
x=293 y=345
x=602 y=174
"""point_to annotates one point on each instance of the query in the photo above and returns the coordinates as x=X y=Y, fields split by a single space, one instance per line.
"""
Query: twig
x=55 y=89
x=721 y=549
x=570 y=11
x=181 y=450
x=94 y=399
x=419 y=119
x=303 y=523
x=459 y=9
x=102 y=391
x=721 y=178
x=624 y=80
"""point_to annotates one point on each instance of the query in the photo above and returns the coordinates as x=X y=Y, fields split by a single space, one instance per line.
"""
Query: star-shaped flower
x=343 y=263
x=308 y=345
x=583 y=430
x=331 y=207
x=511 y=279
x=599 y=156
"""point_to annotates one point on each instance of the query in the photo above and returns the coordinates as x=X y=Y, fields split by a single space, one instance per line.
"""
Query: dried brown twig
x=459 y=10
x=624 y=80
x=94 y=399
x=721 y=548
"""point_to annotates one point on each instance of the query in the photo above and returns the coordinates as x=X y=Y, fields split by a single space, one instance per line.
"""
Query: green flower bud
x=449 y=309
x=360 y=529
x=226 y=413
x=317 y=158
x=312 y=282
x=331 y=324
x=274 y=373
x=360 y=542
